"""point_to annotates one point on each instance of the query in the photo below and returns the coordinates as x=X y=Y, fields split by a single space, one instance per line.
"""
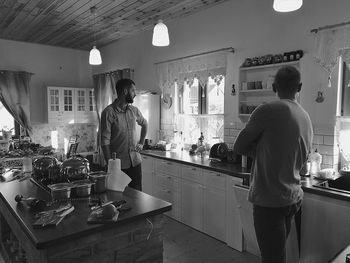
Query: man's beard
x=129 y=98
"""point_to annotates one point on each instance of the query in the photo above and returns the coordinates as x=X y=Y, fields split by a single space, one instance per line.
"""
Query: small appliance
x=218 y=152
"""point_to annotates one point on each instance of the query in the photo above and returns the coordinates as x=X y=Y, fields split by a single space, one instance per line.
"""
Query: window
x=345 y=91
x=7 y=121
x=200 y=109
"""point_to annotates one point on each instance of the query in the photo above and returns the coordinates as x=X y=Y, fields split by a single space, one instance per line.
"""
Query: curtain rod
x=231 y=49
x=315 y=30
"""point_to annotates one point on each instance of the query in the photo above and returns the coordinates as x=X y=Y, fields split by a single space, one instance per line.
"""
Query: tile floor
x=183 y=244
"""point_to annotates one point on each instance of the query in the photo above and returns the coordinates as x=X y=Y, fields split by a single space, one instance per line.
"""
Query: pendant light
x=160 y=35
x=95 y=55
x=287 y=5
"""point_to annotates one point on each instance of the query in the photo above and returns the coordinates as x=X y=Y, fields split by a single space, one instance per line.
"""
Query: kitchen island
x=135 y=236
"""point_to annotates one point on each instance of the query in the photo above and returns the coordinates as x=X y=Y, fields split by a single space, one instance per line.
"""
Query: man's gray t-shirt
x=284 y=134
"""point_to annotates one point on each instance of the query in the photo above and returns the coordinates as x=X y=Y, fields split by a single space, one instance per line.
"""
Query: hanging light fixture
x=160 y=35
x=287 y=5
x=95 y=55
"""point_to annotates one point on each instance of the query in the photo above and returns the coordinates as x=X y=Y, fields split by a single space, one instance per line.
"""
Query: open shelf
x=256 y=90
x=291 y=63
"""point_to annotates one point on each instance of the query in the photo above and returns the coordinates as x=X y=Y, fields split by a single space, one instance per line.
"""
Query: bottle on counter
x=315 y=162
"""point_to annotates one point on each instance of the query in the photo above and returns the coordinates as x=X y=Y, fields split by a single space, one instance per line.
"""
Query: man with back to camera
x=118 y=131
x=278 y=136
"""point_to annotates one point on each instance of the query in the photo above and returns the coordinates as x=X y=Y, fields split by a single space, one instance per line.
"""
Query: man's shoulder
x=108 y=109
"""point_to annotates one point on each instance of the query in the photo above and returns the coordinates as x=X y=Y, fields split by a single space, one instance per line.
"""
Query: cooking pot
x=60 y=191
x=82 y=187
x=46 y=170
x=75 y=168
x=100 y=180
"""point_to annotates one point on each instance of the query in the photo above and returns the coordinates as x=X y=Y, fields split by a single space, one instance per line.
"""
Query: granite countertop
x=75 y=225
x=235 y=169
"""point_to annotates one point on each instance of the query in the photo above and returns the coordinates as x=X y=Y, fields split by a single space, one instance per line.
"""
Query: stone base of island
x=135 y=237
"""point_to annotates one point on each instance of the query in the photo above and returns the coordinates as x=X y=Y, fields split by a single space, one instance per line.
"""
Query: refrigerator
x=149 y=105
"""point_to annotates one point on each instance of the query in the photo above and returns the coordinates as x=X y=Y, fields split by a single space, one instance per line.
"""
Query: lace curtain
x=330 y=44
x=187 y=69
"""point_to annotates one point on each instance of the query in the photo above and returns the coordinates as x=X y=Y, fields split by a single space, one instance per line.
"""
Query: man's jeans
x=272 y=227
x=135 y=173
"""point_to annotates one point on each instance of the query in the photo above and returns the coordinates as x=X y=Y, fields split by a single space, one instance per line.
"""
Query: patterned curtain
x=15 y=96
x=329 y=45
x=105 y=94
x=187 y=69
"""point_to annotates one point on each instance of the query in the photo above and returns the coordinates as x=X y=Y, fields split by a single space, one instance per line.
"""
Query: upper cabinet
x=70 y=105
x=255 y=86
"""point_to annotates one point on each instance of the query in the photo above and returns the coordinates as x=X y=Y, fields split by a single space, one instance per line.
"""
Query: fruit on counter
x=109 y=211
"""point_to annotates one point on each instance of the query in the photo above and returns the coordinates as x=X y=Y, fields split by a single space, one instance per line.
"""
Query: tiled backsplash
x=42 y=133
x=325 y=141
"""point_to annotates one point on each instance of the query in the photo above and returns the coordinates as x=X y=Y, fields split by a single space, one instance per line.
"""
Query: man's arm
x=144 y=129
x=106 y=152
x=105 y=135
x=247 y=139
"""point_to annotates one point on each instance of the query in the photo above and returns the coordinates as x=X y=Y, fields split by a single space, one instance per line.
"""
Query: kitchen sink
x=341 y=184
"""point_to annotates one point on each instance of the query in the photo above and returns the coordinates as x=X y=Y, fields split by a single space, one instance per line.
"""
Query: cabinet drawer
x=192 y=173
x=214 y=179
x=164 y=180
x=168 y=167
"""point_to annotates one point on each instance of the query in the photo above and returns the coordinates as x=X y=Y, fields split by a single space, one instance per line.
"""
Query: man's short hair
x=287 y=79
x=121 y=84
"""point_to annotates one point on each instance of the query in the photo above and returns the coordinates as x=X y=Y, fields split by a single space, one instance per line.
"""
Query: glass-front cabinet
x=71 y=105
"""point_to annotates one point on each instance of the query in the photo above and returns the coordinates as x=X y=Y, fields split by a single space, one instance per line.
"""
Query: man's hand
x=138 y=147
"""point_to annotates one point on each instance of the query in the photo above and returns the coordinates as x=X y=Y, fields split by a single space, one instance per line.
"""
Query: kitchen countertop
x=235 y=169
x=75 y=225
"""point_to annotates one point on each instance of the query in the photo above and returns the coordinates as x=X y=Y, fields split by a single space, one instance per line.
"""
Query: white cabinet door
x=54 y=105
x=192 y=204
x=81 y=105
x=325 y=228
x=215 y=212
x=147 y=174
x=234 y=234
x=67 y=105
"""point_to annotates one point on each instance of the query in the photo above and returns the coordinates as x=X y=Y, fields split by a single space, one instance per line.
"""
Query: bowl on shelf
x=250 y=85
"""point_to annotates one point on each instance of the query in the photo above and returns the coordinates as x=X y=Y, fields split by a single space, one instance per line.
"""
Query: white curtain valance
x=200 y=67
x=330 y=44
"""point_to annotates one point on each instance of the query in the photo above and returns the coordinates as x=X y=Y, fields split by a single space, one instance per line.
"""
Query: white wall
x=249 y=26
x=52 y=66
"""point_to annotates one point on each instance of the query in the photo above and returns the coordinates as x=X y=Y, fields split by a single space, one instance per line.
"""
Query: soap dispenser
x=316 y=160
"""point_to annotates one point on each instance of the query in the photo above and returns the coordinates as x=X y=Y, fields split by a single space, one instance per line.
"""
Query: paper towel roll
x=113 y=166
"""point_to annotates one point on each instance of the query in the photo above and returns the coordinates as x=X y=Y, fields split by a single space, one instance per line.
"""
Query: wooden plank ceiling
x=70 y=23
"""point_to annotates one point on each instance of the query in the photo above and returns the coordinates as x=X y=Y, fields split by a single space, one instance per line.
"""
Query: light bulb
x=287 y=5
x=160 y=35
x=95 y=56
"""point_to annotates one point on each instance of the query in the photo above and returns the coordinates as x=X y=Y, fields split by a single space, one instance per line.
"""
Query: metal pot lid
x=75 y=162
x=98 y=174
x=60 y=186
x=45 y=162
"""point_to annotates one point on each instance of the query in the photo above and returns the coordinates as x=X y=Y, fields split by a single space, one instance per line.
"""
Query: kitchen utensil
x=75 y=168
x=46 y=170
x=34 y=203
x=60 y=191
x=100 y=180
x=218 y=152
x=82 y=187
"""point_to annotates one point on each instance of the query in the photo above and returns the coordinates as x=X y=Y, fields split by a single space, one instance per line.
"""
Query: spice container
x=82 y=188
